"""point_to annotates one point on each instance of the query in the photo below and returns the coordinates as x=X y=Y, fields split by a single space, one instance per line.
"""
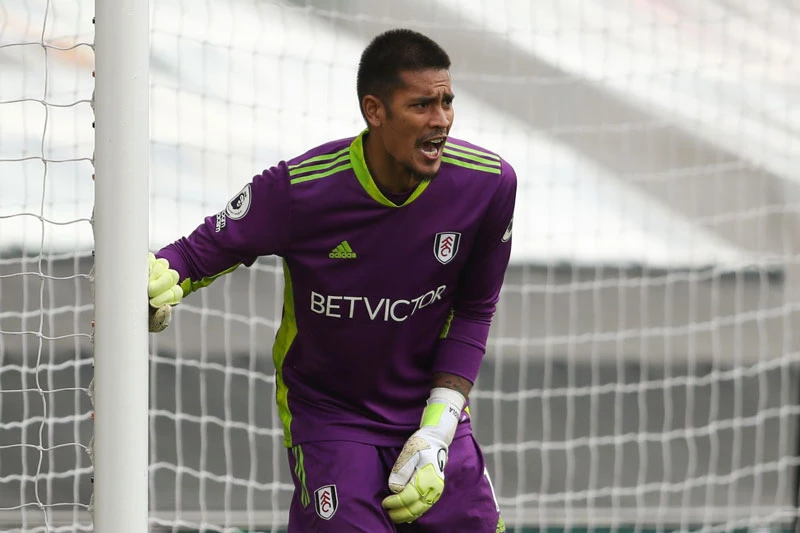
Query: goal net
x=46 y=143
x=642 y=371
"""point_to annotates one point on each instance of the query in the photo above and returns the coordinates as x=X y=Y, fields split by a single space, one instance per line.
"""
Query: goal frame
x=121 y=231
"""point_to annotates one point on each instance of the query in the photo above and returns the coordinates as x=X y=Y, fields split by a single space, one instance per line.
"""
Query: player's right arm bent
x=417 y=479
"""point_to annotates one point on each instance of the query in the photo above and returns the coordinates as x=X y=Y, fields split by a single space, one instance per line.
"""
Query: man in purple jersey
x=394 y=245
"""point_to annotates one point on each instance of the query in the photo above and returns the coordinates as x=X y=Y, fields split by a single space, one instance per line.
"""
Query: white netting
x=642 y=368
x=46 y=144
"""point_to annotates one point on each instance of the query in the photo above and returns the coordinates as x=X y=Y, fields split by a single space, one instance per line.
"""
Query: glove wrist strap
x=443 y=412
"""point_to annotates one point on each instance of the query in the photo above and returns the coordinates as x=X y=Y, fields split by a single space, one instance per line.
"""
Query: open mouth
x=432 y=149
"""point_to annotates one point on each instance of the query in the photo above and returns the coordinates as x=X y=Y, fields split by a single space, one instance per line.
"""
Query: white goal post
x=122 y=155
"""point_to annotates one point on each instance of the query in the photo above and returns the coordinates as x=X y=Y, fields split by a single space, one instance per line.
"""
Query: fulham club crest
x=326 y=501
x=445 y=246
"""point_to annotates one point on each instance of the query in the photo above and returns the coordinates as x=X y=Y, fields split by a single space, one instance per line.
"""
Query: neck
x=387 y=172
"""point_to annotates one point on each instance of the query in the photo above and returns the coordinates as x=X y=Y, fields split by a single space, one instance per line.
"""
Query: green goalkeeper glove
x=417 y=478
x=163 y=291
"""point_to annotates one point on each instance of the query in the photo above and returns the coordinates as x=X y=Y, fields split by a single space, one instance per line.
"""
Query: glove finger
x=158 y=286
x=158 y=283
x=405 y=506
x=171 y=296
x=404 y=499
x=158 y=268
x=167 y=297
x=404 y=516
x=428 y=484
x=162 y=283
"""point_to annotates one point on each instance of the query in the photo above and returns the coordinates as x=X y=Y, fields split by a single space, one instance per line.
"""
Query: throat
x=397 y=198
x=391 y=176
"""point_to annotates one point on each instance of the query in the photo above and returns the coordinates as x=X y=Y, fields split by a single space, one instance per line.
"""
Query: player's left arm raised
x=417 y=478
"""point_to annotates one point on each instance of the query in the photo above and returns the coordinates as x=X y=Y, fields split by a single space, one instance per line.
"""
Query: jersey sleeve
x=255 y=222
x=463 y=341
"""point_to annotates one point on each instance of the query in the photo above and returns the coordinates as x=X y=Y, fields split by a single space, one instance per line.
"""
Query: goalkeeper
x=394 y=245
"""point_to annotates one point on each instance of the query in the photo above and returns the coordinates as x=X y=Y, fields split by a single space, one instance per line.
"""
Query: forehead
x=425 y=82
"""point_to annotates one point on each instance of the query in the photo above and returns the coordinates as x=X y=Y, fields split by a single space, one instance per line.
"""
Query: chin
x=426 y=174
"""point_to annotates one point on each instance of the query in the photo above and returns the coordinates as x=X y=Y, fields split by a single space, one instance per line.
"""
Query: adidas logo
x=343 y=251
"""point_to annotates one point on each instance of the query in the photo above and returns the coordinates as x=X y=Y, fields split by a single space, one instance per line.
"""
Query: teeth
x=432 y=151
x=432 y=147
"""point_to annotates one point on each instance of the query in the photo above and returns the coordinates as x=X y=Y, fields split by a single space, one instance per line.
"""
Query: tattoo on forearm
x=450 y=381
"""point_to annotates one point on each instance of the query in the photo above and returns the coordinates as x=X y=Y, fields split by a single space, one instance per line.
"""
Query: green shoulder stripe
x=481 y=153
x=319 y=175
x=464 y=155
x=319 y=158
x=482 y=168
x=322 y=166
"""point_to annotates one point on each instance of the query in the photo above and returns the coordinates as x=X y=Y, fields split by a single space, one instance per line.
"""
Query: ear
x=374 y=111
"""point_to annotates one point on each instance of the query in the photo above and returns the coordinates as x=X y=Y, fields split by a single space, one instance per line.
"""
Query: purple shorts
x=339 y=486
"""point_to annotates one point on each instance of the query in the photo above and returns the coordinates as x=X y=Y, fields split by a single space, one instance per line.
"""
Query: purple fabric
x=360 y=473
x=368 y=326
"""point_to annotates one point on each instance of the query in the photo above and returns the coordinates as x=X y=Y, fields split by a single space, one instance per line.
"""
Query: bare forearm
x=451 y=381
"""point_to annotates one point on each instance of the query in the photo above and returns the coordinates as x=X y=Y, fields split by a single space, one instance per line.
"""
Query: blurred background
x=642 y=372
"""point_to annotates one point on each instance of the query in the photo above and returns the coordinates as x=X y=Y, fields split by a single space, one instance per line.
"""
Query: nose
x=440 y=118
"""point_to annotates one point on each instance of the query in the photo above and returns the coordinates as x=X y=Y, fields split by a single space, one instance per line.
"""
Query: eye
x=421 y=105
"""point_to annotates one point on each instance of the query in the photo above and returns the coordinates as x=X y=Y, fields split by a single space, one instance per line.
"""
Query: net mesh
x=46 y=144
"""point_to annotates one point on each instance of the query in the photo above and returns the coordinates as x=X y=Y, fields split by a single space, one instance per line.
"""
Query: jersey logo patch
x=507 y=234
x=342 y=251
x=326 y=501
x=445 y=246
x=239 y=205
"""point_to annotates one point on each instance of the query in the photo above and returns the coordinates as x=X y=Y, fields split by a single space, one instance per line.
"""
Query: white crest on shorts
x=239 y=205
x=326 y=501
x=445 y=246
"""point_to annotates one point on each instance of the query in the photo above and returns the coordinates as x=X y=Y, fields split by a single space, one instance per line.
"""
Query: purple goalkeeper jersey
x=378 y=296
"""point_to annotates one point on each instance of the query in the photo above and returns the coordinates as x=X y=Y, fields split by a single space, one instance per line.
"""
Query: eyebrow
x=431 y=99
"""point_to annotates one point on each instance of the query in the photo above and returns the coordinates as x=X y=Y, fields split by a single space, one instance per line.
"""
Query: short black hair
x=390 y=53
